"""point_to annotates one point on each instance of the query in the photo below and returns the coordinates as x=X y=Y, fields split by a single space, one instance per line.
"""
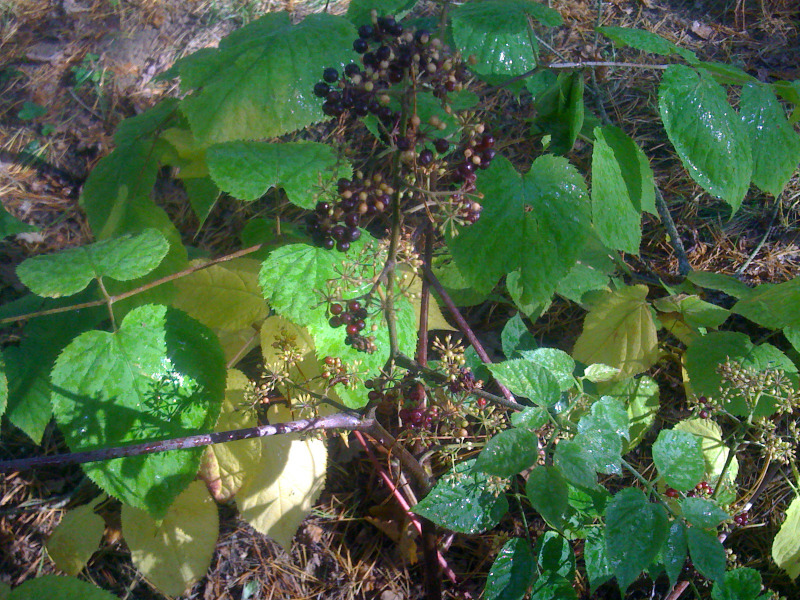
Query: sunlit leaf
x=174 y=552
x=786 y=545
x=76 y=538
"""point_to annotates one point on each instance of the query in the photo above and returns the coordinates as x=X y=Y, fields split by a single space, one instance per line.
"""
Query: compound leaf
x=68 y=272
x=635 y=532
x=706 y=132
x=619 y=331
x=53 y=587
x=786 y=545
x=76 y=538
x=226 y=467
x=498 y=35
x=160 y=376
x=776 y=145
x=548 y=493
x=544 y=211
x=512 y=572
x=528 y=379
x=678 y=456
x=508 y=453
x=247 y=170
x=645 y=41
x=286 y=484
x=617 y=189
x=258 y=83
x=462 y=502
x=174 y=552
x=224 y=296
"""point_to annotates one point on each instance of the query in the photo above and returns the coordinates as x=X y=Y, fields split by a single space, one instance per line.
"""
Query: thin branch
x=765 y=237
x=684 y=268
x=345 y=421
x=464 y=326
x=139 y=290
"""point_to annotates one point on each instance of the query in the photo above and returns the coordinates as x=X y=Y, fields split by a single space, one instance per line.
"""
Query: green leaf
x=497 y=34
x=68 y=272
x=160 y=376
x=678 y=456
x=714 y=451
x=224 y=296
x=515 y=337
x=617 y=190
x=703 y=513
x=645 y=41
x=792 y=335
x=576 y=464
x=598 y=373
x=772 y=305
x=461 y=502
x=147 y=124
x=675 y=549
x=257 y=84
x=203 y=195
x=532 y=417
x=548 y=493
x=554 y=556
x=293 y=279
x=708 y=135
x=595 y=556
x=31 y=111
x=707 y=353
x=359 y=11
x=693 y=311
x=601 y=433
x=707 y=553
x=3 y=386
x=553 y=588
x=247 y=170
x=544 y=211
x=776 y=145
x=12 y=226
x=635 y=532
x=725 y=74
x=560 y=112
x=512 y=572
x=640 y=397
x=739 y=584
x=53 y=587
x=786 y=545
x=717 y=281
x=558 y=362
x=28 y=364
x=508 y=453
x=527 y=379
x=619 y=331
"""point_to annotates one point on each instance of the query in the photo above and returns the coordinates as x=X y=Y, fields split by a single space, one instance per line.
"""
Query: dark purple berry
x=343 y=185
x=402 y=143
x=360 y=324
x=336 y=309
x=488 y=154
x=374 y=396
x=323 y=208
x=351 y=220
x=383 y=53
x=360 y=108
x=353 y=306
x=328 y=243
x=338 y=232
x=353 y=234
x=370 y=60
x=335 y=322
x=352 y=70
x=395 y=74
x=360 y=46
x=330 y=75
x=366 y=31
x=343 y=246
x=361 y=313
x=704 y=414
x=425 y=157
x=352 y=330
x=347 y=318
x=332 y=109
x=441 y=145
x=321 y=89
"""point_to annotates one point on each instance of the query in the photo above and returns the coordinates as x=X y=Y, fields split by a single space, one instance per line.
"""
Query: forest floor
x=71 y=70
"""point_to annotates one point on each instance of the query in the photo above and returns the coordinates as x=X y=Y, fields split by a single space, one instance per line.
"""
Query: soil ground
x=91 y=63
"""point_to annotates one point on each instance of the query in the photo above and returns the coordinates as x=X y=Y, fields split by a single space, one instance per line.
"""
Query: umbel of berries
x=351 y=316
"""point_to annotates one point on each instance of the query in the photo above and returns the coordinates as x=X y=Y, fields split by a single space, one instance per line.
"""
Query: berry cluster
x=741 y=519
x=337 y=224
x=706 y=407
x=418 y=417
x=465 y=382
x=352 y=316
x=702 y=489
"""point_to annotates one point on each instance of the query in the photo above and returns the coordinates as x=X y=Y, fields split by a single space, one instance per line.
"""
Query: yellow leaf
x=786 y=545
x=175 y=552
x=225 y=296
x=286 y=484
x=225 y=467
x=715 y=452
x=236 y=344
x=619 y=331
x=436 y=319
x=76 y=538
x=191 y=155
x=278 y=336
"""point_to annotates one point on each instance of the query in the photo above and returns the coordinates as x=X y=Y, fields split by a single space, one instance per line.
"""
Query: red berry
x=704 y=414
x=374 y=396
x=481 y=402
x=441 y=145
x=671 y=493
x=352 y=330
x=353 y=305
x=336 y=309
